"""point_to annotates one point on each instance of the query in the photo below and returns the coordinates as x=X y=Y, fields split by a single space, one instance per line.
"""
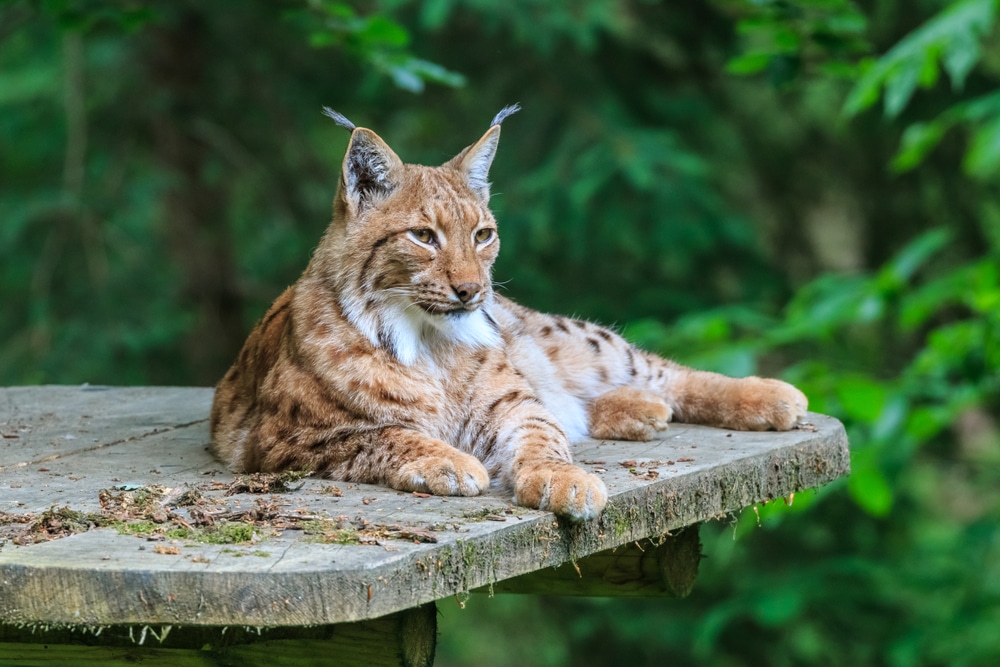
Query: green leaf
x=926 y=422
x=923 y=302
x=838 y=69
x=953 y=35
x=847 y=23
x=435 y=73
x=338 y=10
x=777 y=606
x=28 y=82
x=862 y=398
x=982 y=159
x=960 y=57
x=900 y=269
x=322 y=38
x=748 y=63
x=867 y=486
x=406 y=78
x=890 y=420
x=434 y=13
x=734 y=362
x=899 y=87
x=866 y=91
x=382 y=32
x=918 y=140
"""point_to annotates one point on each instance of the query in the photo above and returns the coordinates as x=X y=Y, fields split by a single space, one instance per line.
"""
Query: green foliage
x=374 y=39
x=788 y=39
x=947 y=325
x=781 y=37
x=86 y=15
x=166 y=172
x=952 y=37
x=950 y=41
x=897 y=556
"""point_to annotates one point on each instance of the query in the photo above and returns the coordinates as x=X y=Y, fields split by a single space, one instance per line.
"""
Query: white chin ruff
x=409 y=331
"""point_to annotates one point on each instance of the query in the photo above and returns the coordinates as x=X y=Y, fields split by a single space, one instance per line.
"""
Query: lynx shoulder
x=392 y=361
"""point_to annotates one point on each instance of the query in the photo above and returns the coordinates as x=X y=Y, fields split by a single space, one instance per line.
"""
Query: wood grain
x=62 y=445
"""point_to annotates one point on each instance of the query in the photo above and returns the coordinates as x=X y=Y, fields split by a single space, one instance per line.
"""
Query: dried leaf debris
x=201 y=514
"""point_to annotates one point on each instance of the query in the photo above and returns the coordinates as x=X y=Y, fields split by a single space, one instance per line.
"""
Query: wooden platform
x=167 y=538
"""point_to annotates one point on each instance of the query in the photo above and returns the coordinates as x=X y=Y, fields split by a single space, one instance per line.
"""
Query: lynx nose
x=466 y=292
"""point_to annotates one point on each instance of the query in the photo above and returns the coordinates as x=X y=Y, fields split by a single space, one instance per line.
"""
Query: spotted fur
x=392 y=361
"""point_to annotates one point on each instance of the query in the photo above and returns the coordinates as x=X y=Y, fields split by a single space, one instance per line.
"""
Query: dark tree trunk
x=194 y=206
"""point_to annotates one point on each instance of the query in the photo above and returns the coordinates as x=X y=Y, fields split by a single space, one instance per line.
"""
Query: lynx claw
x=778 y=406
x=628 y=414
x=457 y=474
x=565 y=490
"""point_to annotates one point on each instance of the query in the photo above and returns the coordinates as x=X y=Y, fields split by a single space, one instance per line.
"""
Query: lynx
x=393 y=361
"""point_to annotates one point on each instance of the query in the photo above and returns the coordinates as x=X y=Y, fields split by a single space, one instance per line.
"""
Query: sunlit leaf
x=960 y=57
x=862 y=398
x=891 y=418
x=384 y=32
x=851 y=22
x=899 y=87
x=983 y=157
x=406 y=78
x=953 y=36
x=435 y=73
x=907 y=261
x=748 y=63
x=925 y=422
x=868 y=486
x=918 y=140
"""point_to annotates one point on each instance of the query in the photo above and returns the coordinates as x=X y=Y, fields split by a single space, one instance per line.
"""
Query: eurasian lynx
x=392 y=360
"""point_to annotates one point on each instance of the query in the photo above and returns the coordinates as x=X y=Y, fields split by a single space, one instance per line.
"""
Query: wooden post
x=636 y=569
x=404 y=639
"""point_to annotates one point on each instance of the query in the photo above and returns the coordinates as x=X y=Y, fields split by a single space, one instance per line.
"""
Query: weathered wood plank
x=405 y=638
x=143 y=436
x=667 y=568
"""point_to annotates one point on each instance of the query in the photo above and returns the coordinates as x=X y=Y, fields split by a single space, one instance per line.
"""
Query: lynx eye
x=483 y=235
x=425 y=236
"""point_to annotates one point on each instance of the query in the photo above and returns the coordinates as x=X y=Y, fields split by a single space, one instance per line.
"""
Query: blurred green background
x=809 y=189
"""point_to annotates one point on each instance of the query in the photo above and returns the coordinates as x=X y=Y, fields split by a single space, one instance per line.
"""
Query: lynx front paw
x=561 y=488
x=764 y=404
x=449 y=473
x=628 y=414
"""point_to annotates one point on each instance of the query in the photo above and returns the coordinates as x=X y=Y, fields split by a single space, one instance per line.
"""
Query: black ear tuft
x=503 y=113
x=370 y=169
x=339 y=118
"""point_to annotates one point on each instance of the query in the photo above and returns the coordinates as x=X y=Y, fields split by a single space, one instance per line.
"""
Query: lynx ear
x=474 y=162
x=371 y=170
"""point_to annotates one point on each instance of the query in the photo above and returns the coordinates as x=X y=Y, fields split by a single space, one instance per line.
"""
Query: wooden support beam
x=404 y=639
x=637 y=569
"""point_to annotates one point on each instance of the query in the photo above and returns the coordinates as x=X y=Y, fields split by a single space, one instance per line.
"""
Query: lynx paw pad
x=628 y=414
x=566 y=490
x=453 y=474
x=771 y=405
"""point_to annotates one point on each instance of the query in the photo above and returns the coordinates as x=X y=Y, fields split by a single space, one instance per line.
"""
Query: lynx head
x=411 y=248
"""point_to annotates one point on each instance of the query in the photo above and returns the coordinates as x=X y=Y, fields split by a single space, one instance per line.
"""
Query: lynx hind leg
x=764 y=404
x=626 y=413
x=744 y=404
